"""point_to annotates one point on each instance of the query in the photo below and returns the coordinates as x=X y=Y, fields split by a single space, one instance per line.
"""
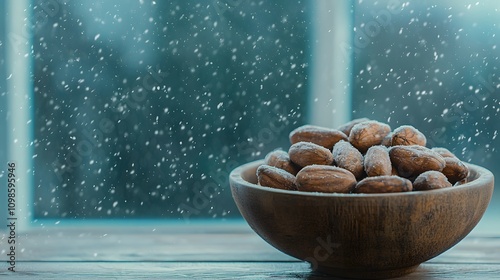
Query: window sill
x=201 y=248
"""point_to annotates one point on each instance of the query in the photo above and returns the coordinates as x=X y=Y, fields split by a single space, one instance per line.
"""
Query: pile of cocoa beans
x=361 y=156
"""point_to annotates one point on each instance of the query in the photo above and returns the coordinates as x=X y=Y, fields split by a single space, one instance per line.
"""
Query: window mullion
x=19 y=115
x=331 y=69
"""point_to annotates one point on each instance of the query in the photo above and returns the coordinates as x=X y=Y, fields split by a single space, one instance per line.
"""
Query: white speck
x=97 y=37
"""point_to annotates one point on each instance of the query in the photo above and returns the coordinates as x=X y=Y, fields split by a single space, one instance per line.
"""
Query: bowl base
x=360 y=274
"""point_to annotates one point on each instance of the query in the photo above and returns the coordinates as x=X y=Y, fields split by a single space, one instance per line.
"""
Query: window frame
x=19 y=126
x=3 y=110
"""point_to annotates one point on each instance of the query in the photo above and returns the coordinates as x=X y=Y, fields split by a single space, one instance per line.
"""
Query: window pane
x=433 y=65
x=143 y=107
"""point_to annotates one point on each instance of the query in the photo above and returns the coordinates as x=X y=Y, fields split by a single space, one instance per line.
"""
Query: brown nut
x=307 y=153
x=407 y=135
x=411 y=161
x=383 y=184
x=377 y=162
x=430 y=180
x=455 y=170
x=280 y=159
x=348 y=157
x=326 y=137
x=324 y=178
x=273 y=177
x=443 y=152
x=346 y=128
x=369 y=133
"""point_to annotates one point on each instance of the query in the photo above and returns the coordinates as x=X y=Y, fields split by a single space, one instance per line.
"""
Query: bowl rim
x=484 y=178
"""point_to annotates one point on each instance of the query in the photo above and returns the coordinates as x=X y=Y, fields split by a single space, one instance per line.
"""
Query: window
x=142 y=108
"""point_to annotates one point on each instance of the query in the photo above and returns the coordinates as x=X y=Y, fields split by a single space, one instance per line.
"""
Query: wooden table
x=202 y=250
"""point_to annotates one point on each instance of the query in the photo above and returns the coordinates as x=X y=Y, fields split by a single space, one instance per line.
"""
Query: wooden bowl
x=362 y=235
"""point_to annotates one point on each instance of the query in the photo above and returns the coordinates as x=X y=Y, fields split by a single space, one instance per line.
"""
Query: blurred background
x=142 y=108
x=142 y=104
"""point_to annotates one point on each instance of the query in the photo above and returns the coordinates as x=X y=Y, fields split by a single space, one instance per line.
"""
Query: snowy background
x=143 y=107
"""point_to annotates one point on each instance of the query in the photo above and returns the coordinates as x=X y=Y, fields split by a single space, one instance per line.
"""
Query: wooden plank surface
x=205 y=242
x=222 y=270
x=200 y=251
x=146 y=242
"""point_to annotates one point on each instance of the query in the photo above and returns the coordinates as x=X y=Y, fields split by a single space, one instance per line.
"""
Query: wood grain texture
x=200 y=251
x=178 y=242
x=147 y=243
x=221 y=271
